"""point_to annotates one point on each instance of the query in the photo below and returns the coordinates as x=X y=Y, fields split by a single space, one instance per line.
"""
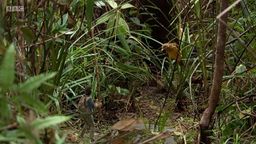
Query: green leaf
x=131 y=68
x=28 y=34
x=197 y=8
x=49 y=121
x=111 y=28
x=123 y=51
x=123 y=27
x=100 y=4
x=240 y=69
x=126 y=6
x=34 y=82
x=26 y=130
x=125 y=44
x=21 y=120
x=89 y=13
x=7 y=69
x=64 y=19
x=8 y=138
x=186 y=48
x=63 y=2
x=105 y=17
x=32 y=102
x=5 y=109
x=2 y=46
x=112 y=3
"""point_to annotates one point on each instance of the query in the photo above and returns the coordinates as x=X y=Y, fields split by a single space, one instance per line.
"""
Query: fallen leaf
x=129 y=125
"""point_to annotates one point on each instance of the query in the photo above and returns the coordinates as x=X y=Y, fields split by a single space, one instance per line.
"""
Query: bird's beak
x=162 y=48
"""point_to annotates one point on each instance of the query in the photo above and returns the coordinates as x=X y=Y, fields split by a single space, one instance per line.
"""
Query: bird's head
x=168 y=47
x=172 y=51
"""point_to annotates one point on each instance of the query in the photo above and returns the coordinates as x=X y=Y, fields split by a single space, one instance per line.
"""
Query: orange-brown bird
x=172 y=51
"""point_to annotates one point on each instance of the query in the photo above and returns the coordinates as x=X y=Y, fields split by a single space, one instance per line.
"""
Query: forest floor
x=132 y=119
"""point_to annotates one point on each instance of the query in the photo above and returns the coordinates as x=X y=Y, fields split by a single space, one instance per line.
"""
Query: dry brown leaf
x=72 y=137
x=118 y=141
x=123 y=125
x=128 y=125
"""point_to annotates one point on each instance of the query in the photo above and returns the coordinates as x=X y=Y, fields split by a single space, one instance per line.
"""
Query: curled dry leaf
x=129 y=125
x=71 y=137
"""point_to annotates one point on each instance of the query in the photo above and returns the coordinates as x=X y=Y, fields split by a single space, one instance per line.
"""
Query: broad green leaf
x=122 y=91
x=7 y=68
x=104 y=18
x=242 y=114
x=28 y=34
x=126 y=6
x=186 y=35
x=197 y=8
x=100 y=4
x=26 y=130
x=136 y=21
x=123 y=51
x=64 y=19
x=7 y=138
x=111 y=28
x=63 y=2
x=244 y=8
x=49 y=121
x=131 y=68
x=89 y=13
x=123 y=27
x=186 y=49
x=21 y=121
x=5 y=109
x=34 y=82
x=2 y=47
x=240 y=69
x=67 y=32
x=32 y=102
x=112 y=3
x=124 y=43
x=60 y=140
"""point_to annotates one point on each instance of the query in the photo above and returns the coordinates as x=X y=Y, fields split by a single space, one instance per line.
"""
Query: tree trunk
x=217 y=77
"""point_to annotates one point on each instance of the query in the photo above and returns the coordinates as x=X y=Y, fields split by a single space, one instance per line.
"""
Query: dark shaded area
x=158 y=19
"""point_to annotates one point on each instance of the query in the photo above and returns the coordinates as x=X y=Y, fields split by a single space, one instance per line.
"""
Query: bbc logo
x=15 y=8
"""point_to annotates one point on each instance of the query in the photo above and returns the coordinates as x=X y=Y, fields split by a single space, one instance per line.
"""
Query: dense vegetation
x=71 y=69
